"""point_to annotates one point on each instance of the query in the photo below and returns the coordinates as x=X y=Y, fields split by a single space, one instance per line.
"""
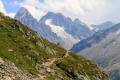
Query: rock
x=56 y=75
x=1 y=20
x=10 y=50
x=40 y=44
x=1 y=60
x=54 y=51
x=49 y=50
x=48 y=70
x=8 y=71
x=35 y=52
x=7 y=78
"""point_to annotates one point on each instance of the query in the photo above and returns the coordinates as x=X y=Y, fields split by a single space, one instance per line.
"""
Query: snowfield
x=60 y=31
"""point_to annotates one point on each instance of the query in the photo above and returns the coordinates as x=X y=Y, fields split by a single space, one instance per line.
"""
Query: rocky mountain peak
x=23 y=9
x=54 y=14
x=23 y=12
x=102 y=26
x=108 y=22
x=24 y=16
x=69 y=19
x=77 y=21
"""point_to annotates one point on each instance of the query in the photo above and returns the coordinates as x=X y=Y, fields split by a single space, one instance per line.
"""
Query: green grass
x=49 y=78
x=19 y=38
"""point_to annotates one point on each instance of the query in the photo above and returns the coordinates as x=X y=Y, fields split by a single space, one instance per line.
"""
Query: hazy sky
x=88 y=11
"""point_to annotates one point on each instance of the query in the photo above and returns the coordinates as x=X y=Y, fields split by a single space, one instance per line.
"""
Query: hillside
x=103 y=48
x=24 y=55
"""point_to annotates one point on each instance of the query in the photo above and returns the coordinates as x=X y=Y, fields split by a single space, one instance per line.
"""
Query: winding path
x=50 y=62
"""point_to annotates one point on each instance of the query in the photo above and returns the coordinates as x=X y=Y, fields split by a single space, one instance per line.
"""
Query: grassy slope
x=11 y=37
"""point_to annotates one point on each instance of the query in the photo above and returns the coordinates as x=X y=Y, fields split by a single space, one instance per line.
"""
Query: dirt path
x=65 y=54
x=50 y=62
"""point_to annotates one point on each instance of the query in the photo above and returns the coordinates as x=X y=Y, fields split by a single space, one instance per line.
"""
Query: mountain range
x=24 y=55
x=102 y=26
x=55 y=27
x=104 y=49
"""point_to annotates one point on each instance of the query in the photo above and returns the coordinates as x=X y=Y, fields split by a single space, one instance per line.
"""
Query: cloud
x=70 y=8
x=82 y=9
x=88 y=11
x=32 y=6
x=12 y=15
x=2 y=9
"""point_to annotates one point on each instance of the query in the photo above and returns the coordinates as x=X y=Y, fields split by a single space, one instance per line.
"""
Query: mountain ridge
x=96 y=38
x=103 y=26
x=26 y=18
x=103 y=49
x=75 y=28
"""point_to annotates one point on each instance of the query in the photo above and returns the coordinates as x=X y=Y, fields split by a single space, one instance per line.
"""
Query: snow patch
x=91 y=28
x=82 y=37
x=60 y=31
x=118 y=32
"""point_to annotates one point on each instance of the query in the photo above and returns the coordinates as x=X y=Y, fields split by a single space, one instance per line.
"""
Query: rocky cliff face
x=26 y=18
x=103 y=48
x=8 y=71
x=24 y=51
x=75 y=28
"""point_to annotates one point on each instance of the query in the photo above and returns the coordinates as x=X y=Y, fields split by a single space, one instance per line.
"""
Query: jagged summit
x=22 y=13
x=76 y=29
x=24 y=16
x=52 y=13
x=72 y=31
x=23 y=9
x=77 y=21
x=102 y=26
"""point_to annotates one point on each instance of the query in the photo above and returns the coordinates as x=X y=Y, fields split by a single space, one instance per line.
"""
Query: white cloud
x=89 y=11
x=70 y=8
x=37 y=13
x=12 y=15
x=32 y=6
x=2 y=9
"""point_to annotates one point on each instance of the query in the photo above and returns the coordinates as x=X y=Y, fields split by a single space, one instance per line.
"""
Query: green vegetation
x=74 y=65
x=49 y=78
x=18 y=44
